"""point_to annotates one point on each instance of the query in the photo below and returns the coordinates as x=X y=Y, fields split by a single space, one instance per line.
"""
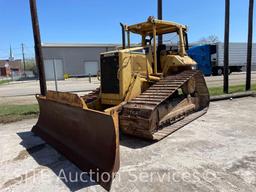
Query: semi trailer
x=210 y=58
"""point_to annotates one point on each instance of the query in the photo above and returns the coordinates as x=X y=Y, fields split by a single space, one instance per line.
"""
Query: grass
x=215 y=91
x=13 y=113
x=4 y=81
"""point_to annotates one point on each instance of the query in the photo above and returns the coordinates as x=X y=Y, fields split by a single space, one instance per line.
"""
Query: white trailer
x=237 y=57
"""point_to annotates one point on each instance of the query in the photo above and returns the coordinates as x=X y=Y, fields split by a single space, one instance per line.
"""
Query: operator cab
x=150 y=30
x=144 y=63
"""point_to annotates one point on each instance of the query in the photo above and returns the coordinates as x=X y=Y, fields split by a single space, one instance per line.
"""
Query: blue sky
x=97 y=21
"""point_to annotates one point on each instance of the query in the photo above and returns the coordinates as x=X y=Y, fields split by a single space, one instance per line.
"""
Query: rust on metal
x=90 y=139
x=160 y=110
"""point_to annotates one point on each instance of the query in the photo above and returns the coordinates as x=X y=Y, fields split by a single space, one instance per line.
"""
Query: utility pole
x=38 y=47
x=160 y=17
x=249 y=46
x=226 y=47
x=23 y=57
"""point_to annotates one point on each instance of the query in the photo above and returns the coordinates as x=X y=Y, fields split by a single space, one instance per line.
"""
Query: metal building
x=73 y=59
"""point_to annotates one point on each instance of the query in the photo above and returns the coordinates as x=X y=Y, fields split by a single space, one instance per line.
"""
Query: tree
x=212 y=39
x=31 y=66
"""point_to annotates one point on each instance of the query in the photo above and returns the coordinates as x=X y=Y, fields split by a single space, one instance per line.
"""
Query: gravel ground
x=217 y=152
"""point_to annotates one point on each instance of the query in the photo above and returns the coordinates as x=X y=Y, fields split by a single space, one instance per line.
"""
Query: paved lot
x=26 y=88
x=234 y=79
x=23 y=92
x=217 y=152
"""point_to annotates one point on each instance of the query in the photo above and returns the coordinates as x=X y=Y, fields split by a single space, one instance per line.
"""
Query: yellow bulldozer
x=147 y=90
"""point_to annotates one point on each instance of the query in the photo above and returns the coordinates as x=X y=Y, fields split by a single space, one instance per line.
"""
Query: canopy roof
x=162 y=27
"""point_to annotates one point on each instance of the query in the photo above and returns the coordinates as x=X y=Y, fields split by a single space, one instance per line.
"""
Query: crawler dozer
x=148 y=90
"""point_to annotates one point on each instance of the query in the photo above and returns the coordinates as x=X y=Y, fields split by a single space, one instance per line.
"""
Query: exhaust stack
x=123 y=35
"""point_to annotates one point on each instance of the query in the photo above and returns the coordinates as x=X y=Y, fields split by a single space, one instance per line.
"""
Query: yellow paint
x=138 y=67
x=134 y=90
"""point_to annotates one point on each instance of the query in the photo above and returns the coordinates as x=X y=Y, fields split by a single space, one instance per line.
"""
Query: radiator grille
x=109 y=69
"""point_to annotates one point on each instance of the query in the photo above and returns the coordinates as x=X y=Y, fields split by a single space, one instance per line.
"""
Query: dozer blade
x=86 y=137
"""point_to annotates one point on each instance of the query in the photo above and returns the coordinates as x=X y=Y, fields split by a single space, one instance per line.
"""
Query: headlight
x=194 y=67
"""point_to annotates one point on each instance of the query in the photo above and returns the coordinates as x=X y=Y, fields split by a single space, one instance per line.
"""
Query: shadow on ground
x=66 y=171
x=134 y=142
x=46 y=156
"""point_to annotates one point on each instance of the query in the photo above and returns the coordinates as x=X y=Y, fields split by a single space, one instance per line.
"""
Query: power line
x=15 y=48
x=18 y=52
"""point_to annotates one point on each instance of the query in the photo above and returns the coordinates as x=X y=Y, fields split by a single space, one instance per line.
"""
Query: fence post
x=90 y=78
x=55 y=75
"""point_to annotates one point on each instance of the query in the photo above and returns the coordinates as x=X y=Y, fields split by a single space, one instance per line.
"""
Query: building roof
x=74 y=45
x=16 y=64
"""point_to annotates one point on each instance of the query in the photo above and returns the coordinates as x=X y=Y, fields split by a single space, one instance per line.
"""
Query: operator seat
x=160 y=48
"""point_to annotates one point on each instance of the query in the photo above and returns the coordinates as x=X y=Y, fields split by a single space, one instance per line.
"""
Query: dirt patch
x=25 y=153
x=22 y=178
x=18 y=100
x=13 y=113
x=14 y=118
